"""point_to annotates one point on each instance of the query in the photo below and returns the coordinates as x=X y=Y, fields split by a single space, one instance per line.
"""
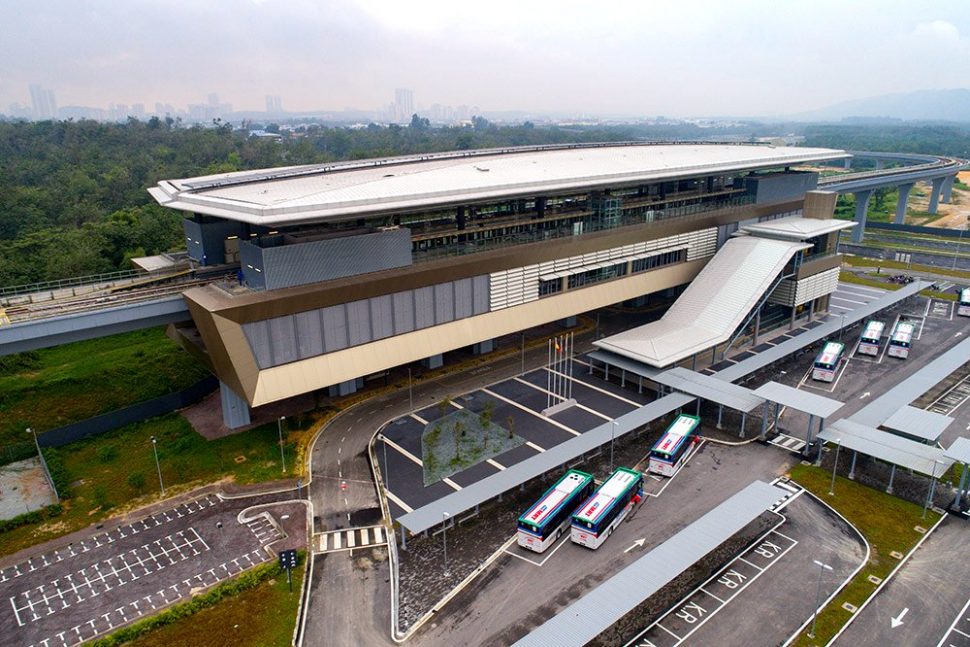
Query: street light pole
x=834 y=466
x=818 y=592
x=956 y=252
x=932 y=490
x=279 y=426
x=612 y=438
x=444 y=537
x=158 y=466
x=842 y=327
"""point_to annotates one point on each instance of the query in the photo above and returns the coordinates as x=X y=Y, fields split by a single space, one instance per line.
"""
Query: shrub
x=31 y=517
x=107 y=453
x=136 y=481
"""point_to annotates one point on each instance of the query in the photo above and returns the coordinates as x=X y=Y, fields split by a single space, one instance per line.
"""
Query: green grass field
x=888 y=524
x=116 y=471
x=49 y=388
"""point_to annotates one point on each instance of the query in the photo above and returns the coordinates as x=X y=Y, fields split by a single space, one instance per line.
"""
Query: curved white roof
x=296 y=195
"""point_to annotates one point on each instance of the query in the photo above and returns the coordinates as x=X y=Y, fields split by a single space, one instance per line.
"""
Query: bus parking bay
x=764 y=594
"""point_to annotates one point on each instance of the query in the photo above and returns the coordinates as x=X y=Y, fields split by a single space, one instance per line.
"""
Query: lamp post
x=444 y=537
x=158 y=466
x=279 y=426
x=818 y=592
x=522 y=372
x=956 y=252
x=612 y=438
x=834 y=466
x=932 y=490
x=842 y=327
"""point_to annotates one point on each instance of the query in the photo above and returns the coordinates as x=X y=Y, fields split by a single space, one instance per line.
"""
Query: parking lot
x=93 y=586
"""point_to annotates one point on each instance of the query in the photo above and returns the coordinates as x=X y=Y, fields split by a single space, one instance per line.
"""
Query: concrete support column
x=791 y=323
x=861 y=209
x=808 y=432
x=855 y=455
x=811 y=309
x=847 y=163
x=568 y=322
x=960 y=489
x=947 y=194
x=744 y=419
x=764 y=421
x=235 y=410
x=880 y=164
x=344 y=388
x=460 y=218
x=904 y=190
x=435 y=361
x=483 y=347
x=935 y=194
x=892 y=475
x=720 y=412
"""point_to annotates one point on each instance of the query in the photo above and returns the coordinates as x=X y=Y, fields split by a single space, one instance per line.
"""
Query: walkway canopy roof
x=796 y=228
x=888 y=447
x=713 y=306
x=710 y=388
x=959 y=451
x=919 y=423
x=316 y=193
x=810 y=403
x=602 y=607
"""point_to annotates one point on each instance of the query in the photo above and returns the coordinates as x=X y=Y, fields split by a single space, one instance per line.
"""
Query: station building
x=343 y=270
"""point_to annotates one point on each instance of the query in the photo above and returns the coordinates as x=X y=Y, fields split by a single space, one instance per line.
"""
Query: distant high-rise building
x=403 y=104
x=274 y=104
x=42 y=100
x=213 y=99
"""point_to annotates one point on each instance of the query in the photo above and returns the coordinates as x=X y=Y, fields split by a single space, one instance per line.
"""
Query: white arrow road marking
x=637 y=544
x=895 y=622
x=865 y=395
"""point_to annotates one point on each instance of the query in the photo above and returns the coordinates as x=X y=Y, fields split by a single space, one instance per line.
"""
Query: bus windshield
x=830 y=355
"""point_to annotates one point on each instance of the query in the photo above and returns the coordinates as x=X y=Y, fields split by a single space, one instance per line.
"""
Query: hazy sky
x=646 y=57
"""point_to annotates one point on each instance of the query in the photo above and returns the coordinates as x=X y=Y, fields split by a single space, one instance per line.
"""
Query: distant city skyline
x=751 y=58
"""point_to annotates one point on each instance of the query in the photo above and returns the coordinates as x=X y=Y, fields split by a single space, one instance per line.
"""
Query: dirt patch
x=23 y=488
x=951 y=215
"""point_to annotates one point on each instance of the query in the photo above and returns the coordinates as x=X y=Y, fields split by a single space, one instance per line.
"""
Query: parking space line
x=706 y=592
x=531 y=412
x=419 y=419
x=741 y=559
x=595 y=388
x=403 y=451
x=577 y=405
x=495 y=464
x=531 y=444
x=837 y=298
x=953 y=625
x=447 y=481
x=401 y=504
x=679 y=639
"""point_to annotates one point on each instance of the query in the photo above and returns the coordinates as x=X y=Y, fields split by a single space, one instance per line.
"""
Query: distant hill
x=920 y=105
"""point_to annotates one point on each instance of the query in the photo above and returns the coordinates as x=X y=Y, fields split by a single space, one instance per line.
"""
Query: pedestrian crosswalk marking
x=349 y=539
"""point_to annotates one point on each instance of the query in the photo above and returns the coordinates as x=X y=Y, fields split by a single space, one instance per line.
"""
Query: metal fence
x=129 y=415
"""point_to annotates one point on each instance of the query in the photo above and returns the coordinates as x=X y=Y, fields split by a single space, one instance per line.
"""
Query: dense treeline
x=929 y=139
x=73 y=197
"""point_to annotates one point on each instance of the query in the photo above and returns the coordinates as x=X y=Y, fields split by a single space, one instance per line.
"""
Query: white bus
x=871 y=339
x=544 y=522
x=602 y=513
x=827 y=361
x=964 y=308
x=670 y=452
x=901 y=339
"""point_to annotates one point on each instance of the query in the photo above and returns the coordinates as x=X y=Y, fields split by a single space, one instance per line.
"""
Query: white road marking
x=532 y=413
x=495 y=464
x=419 y=419
x=401 y=504
x=403 y=451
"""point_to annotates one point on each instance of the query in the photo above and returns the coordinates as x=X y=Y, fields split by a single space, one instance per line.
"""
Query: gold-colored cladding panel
x=314 y=373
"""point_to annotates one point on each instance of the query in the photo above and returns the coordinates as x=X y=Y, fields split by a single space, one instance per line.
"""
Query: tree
x=420 y=123
x=510 y=423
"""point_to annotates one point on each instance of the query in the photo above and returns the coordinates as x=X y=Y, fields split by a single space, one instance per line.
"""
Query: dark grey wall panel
x=258 y=335
x=334 y=328
x=358 y=323
x=444 y=303
x=282 y=334
x=382 y=316
x=309 y=334
x=481 y=294
x=423 y=307
x=403 y=312
x=463 y=298
x=205 y=241
x=780 y=186
x=323 y=260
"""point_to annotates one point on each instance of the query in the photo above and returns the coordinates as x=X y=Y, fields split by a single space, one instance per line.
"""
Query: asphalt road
x=108 y=579
x=778 y=592
x=928 y=593
x=514 y=595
